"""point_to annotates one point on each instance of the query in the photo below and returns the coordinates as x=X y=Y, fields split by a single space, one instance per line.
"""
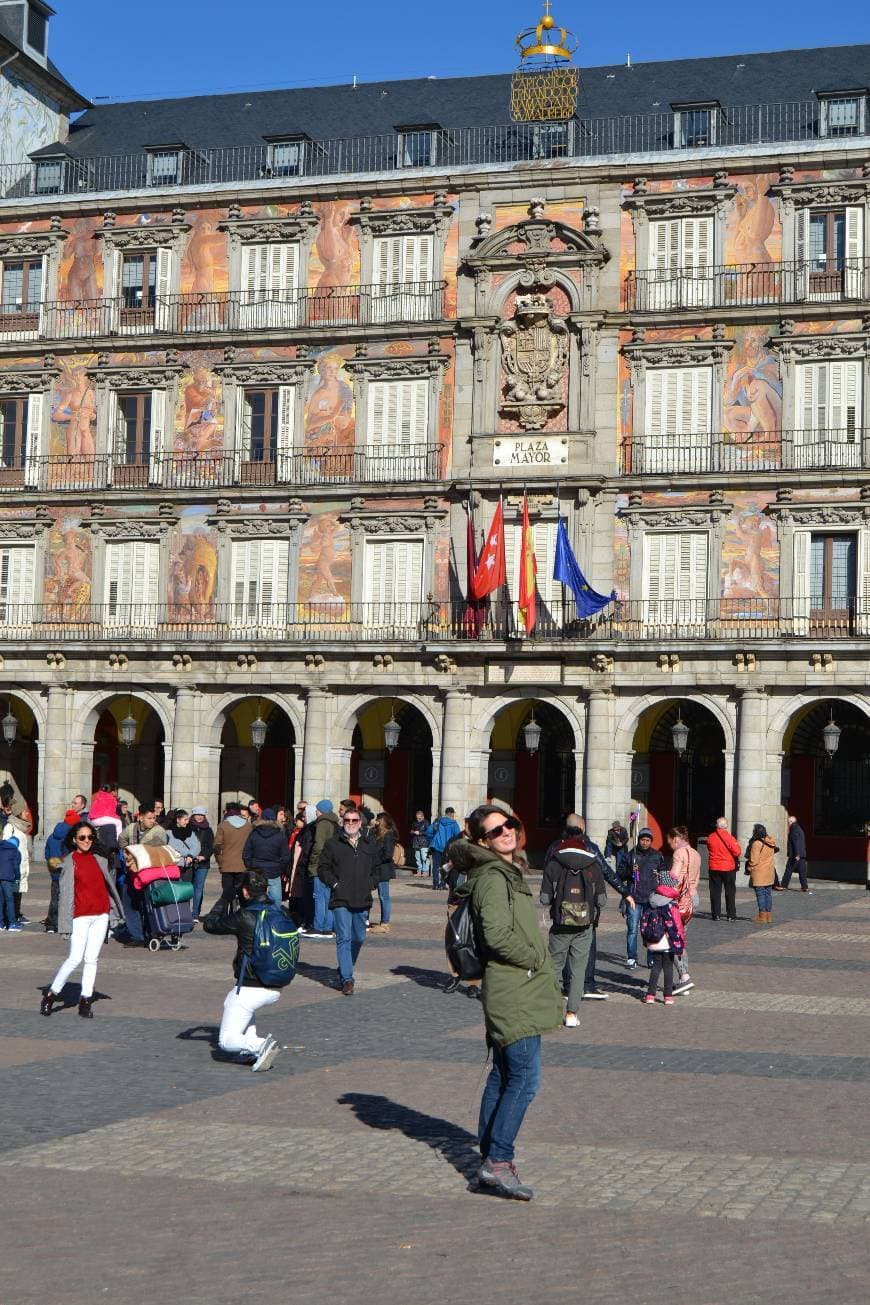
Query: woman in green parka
x=519 y=993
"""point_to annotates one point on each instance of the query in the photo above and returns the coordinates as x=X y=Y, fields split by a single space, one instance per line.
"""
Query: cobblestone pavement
x=715 y=1152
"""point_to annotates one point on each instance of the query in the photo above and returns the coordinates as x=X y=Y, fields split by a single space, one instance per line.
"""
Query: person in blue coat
x=10 y=873
x=55 y=851
x=444 y=829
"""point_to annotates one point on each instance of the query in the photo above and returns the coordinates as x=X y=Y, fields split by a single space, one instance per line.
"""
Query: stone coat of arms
x=534 y=355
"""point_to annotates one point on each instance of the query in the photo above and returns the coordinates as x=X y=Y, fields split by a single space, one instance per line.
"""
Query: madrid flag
x=490 y=572
x=528 y=573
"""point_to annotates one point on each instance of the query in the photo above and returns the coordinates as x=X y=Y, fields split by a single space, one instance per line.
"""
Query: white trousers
x=238 y=1031
x=88 y=935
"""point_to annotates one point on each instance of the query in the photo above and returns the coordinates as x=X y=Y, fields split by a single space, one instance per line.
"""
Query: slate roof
x=327 y=112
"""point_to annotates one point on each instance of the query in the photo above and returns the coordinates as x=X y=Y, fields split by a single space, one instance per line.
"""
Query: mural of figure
x=335 y=245
x=201 y=409
x=752 y=546
x=81 y=255
x=76 y=408
x=323 y=586
x=68 y=578
x=754 y=222
x=205 y=258
x=753 y=390
x=329 y=412
x=192 y=574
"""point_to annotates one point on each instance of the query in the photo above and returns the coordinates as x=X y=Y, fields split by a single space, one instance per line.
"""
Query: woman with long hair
x=760 y=851
x=519 y=993
x=88 y=906
x=183 y=839
x=386 y=836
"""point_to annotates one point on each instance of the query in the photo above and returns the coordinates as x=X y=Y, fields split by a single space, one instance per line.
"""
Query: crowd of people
x=318 y=872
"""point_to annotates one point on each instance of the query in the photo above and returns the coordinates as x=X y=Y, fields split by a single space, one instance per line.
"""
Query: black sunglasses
x=89 y=837
x=510 y=823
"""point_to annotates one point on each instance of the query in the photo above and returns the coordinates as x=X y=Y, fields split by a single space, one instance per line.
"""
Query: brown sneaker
x=347 y=988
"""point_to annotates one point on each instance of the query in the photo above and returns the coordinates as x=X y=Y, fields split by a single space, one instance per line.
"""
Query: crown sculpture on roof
x=544 y=87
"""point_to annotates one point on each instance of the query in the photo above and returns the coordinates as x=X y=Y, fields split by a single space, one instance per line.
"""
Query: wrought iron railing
x=666 y=290
x=729 y=619
x=315 y=466
x=790 y=450
x=230 y=310
x=632 y=134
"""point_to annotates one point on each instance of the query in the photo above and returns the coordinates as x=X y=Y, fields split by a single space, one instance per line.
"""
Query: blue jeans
x=7 y=903
x=274 y=890
x=384 y=895
x=437 y=858
x=350 y=934
x=632 y=924
x=421 y=860
x=199 y=877
x=323 y=917
x=510 y=1089
x=131 y=900
x=764 y=898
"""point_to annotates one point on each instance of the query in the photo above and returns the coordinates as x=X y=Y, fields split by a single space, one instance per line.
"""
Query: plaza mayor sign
x=529 y=451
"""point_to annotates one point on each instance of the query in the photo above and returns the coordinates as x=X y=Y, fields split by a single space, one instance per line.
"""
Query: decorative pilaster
x=599 y=761
x=314 y=777
x=57 y=789
x=454 y=738
x=184 y=789
x=751 y=762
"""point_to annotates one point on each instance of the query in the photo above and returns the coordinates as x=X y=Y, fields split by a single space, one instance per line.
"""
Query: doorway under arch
x=19 y=760
x=400 y=781
x=539 y=786
x=245 y=773
x=137 y=769
x=679 y=790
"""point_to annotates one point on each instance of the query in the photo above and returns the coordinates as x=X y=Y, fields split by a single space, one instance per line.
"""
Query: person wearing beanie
x=204 y=832
x=266 y=850
x=641 y=879
x=319 y=918
x=662 y=931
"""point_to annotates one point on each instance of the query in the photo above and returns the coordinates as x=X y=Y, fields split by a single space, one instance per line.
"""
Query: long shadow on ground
x=455 y=1144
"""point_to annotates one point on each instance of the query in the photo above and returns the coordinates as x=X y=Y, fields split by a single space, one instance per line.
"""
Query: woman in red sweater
x=88 y=904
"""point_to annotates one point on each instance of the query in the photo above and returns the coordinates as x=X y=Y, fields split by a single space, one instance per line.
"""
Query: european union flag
x=567 y=571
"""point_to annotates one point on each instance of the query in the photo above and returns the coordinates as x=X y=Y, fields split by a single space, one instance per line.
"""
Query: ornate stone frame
x=108 y=378
x=372 y=222
x=795 y=195
x=118 y=240
x=235 y=376
x=833 y=518
x=33 y=381
x=30 y=532
x=47 y=245
x=794 y=349
x=234 y=529
x=642 y=355
x=110 y=530
x=408 y=524
x=299 y=227
x=429 y=367
x=645 y=207
x=709 y=518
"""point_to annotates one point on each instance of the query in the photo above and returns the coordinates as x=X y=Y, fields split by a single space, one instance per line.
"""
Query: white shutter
x=388 y=267
x=697 y=260
x=260 y=576
x=376 y=418
x=853 y=286
x=801 y=253
x=132 y=583
x=549 y=590
x=158 y=429
x=675 y=579
x=801 y=561
x=163 y=314
x=393 y=574
x=665 y=248
x=112 y=290
x=397 y=418
x=844 y=394
x=829 y=403
x=254 y=279
x=862 y=602
x=286 y=423
x=512 y=544
x=33 y=439
x=678 y=418
x=43 y=285
x=115 y=431
x=418 y=260
x=17 y=575
x=280 y=265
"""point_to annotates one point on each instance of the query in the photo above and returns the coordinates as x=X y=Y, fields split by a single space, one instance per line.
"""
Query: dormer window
x=695 y=125
x=418 y=146
x=37 y=29
x=49 y=176
x=286 y=158
x=842 y=114
x=165 y=166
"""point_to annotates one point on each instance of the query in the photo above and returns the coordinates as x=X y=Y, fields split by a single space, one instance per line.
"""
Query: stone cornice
x=852 y=344
x=266 y=230
x=536 y=236
x=820 y=514
x=136 y=378
x=676 y=353
x=386 y=369
x=268 y=372
x=287 y=526
x=19 y=530
x=402 y=221
x=124 y=528
x=163 y=236
x=679 y=517
x=803 y=194
x=30 y=244
x=696 y=202
x=381 y=523
x=13 y=381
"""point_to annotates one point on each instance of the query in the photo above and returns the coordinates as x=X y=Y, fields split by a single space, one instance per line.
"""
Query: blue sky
x=129 y=50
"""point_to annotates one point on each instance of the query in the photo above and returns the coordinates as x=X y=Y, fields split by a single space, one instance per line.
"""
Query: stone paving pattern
x=716 y=1152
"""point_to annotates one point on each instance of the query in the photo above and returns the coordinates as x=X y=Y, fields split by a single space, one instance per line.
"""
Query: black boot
x=48 y=1000
x=85 y=1011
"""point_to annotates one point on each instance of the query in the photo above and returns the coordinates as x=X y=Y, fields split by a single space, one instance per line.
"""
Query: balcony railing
x=633 y=134
x=639 y=621
x=389 y=463
x=667 y=290
x=231 y=310
x=792 y=450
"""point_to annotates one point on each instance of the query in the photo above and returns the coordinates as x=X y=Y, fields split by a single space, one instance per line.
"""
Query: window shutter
x=393 y=581
x=163 y=289
x=801 y=561
x=675 y=578
x=132 y=584
x=664 y=245
x=115 y=430
x=544 y=534
x=17 y=574
x=862 y=614
x=244 y=585
x=512 y=540
x=33 y=444
x=260 y=571
x=419 y=258
x=112 y=289
x=254 y=278
x=158 y=427
x=801 y=252
x=280 y=265
x=854 y=272
x=286 y=423
x=697 y=242
x=387 y=270
x=376 y=423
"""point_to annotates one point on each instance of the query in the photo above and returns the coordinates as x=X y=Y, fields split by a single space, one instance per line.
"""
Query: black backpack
x=575 y=911
x=464 y=950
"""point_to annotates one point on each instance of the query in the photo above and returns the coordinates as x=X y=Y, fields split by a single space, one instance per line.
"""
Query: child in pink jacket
x=661 y=928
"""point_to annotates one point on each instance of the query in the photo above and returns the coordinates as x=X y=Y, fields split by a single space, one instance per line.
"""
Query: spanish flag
x=528 y=573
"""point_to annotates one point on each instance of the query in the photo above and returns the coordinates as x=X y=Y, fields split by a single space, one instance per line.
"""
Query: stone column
x=751 y=763
x=454 y=746
x=600 y=797
x=314 y=754
x=185 y=788
x=57 y=790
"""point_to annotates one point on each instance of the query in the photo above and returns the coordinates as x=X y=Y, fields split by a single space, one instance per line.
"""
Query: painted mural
x=68 y=567
x=81 y=262
x=753 y=231
x=752 y=401
x=29 y=118
x=192 y=568
x=73 y=410
x=324 y=561
x=334 y=259
x=205 y=265
x=750 y=550
x=330 y=416
x=198 y=425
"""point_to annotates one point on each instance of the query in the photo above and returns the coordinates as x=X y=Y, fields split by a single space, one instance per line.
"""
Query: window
x=828 y=404
x=137 y=430
x=37 y=29
x=20 y=429
x=134 y=413
x=695 y=125
x=49 y=176
x=260 y=576
x=392 y=582
x=827 y=596
x=403 y=271
x=842 y=115
x=832 y=574
x=829 y=248
x=144 y=283
x=139 y=281
x=417 y=147
x=269 y=280
x=17 y=576
x=544 y=534
x=132 y=583
x=680 y=259
x=286 y=158
x=164 y=167
x=397 y=429
x=20 y=296
x=678 y=419
x=551 y=140
x=675 y=580
x=268 y=419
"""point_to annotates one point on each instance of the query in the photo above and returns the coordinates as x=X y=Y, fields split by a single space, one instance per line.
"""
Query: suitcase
x=170 y=922
x=165 y=892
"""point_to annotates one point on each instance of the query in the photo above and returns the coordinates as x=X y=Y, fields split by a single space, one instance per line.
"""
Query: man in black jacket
x=238 y=1034
x=349 y=866
x=267 y=850
x=204 y=832
x=640 y=878
x=796 y=857
x=573 y=888
x=575 y=827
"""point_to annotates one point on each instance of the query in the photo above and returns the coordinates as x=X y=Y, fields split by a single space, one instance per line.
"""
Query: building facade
x=262 y=356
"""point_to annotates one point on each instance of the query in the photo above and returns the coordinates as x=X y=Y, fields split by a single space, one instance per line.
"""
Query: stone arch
x=346 y=720
x=786 y=711
x=635 y=708
x=482 y=723
x=217 y=709
x=90 y=708
x=32 y=700
x=512 y=284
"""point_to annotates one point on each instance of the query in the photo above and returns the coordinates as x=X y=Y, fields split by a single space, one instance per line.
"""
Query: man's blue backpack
x=276 y=948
